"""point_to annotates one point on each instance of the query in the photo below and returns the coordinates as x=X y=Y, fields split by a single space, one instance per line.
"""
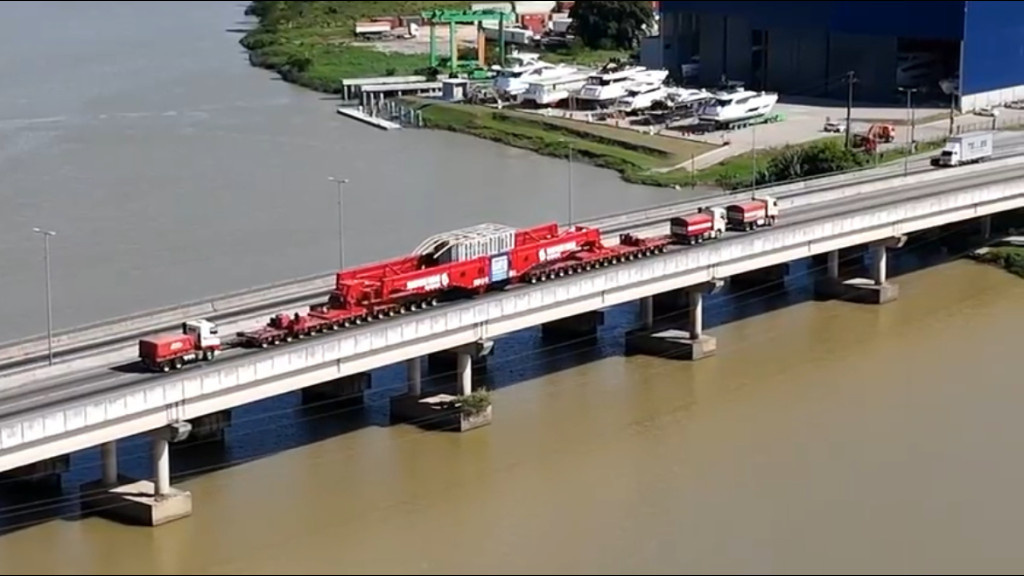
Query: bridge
x=45 y=415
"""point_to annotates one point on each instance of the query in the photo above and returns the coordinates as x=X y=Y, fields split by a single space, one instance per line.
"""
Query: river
x=823 y=437
x=171 y=170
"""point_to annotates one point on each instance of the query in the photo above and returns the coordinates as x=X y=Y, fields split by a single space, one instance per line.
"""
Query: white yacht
x=737 y=105
x=551 y=91
x=686 y=97
x=643 y=95
x=609 y=84
x=513 y=80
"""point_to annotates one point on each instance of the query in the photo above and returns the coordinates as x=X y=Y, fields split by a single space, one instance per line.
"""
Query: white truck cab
x=718 y=221
x=205 y=332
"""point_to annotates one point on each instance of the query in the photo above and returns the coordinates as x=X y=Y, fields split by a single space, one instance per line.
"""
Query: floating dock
x=356 y=113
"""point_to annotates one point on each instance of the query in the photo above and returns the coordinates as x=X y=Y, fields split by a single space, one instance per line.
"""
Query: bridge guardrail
x=112 y=331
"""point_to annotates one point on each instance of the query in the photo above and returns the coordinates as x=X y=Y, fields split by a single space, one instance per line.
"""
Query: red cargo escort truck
x=752 y=214
x=705 y=224
x=198 y=341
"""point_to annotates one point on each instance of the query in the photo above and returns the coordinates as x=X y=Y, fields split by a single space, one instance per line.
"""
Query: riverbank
x=648 y=159
x=1009 y=258
x=312 y=43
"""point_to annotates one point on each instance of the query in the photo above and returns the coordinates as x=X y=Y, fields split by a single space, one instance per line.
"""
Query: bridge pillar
x=874 y=290
x=833 y=264
x=574 y=327
x=462 y=412
x=761 y=278
x=689 y=344
x=986 y=227
x=346 y=391
x=446 y=360
x=647 y=312
x=108 y=456
x=141 y=502
x=414 y=372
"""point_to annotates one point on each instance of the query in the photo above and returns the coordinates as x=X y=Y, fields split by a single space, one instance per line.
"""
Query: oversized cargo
x=457 y=264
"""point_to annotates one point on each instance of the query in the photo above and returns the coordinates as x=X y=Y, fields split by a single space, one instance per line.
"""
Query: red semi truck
x=705 y=224
x=752 y=214
x=198 y=340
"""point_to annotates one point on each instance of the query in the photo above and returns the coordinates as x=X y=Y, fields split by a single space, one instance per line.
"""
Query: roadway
x=105 y=379
x=116 y=339
x=654 y=221
x=23 y=362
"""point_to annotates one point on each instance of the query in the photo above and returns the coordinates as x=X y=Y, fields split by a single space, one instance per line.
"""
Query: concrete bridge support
x=671 y=305
x=874 y=290
x=463 y=411
x=647 y=313
x=985 y=223
x=574 y=327
x=140 y=502
x=689 y=344
x=347 y=391
x=447 y=360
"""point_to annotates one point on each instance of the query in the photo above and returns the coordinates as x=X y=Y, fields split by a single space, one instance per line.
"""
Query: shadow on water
x=283 y=423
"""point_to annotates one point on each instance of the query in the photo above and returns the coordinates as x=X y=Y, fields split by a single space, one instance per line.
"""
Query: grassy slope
x=629 y=152
x=308 y=42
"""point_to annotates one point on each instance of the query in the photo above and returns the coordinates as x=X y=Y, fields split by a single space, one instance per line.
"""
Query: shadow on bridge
x=284 y=423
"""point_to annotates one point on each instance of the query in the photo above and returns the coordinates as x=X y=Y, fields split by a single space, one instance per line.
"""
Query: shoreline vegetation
x=311 y=44
x=1009 y=258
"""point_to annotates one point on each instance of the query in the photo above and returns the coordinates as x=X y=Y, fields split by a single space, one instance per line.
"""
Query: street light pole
x=570 y=184
x=341 y=219
x=910 y=133
x=46 y=234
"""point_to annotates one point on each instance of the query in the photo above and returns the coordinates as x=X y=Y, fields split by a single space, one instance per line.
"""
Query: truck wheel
x=178 y=363
x=165 y=367
x=211 y=354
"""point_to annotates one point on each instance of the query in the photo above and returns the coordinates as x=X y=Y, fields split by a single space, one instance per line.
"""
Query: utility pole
x=341 y=219
x=851 y=79
x=47 y=234
x=910 y=133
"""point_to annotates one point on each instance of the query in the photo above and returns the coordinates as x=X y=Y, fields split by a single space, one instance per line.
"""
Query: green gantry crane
x=453 y=17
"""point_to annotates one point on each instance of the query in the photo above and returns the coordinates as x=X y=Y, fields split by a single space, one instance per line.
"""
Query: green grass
x=628 y=152
x=1010 y=258
x=310 y=43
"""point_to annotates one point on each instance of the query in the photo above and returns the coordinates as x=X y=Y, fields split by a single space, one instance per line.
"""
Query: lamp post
x=910 y=134
x=46 y=234
x=569 y=191
x=341 y=219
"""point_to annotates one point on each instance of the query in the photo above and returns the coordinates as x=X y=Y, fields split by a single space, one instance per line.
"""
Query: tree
x=607 y=25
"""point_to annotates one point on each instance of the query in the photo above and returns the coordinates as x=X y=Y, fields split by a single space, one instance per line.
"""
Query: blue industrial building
x=974 y=49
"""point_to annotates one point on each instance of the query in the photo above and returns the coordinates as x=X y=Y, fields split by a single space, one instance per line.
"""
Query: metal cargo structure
x=469 y=243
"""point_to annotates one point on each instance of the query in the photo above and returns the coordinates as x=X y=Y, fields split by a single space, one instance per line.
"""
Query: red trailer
x=707 y=224
x=753 y=214
x=198 y=341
